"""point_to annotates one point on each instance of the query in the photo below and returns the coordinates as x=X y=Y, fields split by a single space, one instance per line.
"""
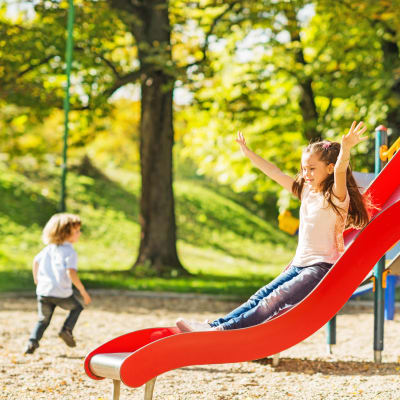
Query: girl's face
x=75 y=234
x=314 y=170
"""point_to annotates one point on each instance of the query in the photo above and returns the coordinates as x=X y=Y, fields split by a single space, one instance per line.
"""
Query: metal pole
x=116 y=389
x=331 y=335
x=149 y=389
x=379 y=293
x=68 y=60
x=275 y=359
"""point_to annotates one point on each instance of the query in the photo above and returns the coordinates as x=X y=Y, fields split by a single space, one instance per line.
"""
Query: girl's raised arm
x=269 y=169
x=348 y=141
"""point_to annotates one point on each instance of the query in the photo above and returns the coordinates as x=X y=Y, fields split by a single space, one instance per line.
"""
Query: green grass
x=227 y=248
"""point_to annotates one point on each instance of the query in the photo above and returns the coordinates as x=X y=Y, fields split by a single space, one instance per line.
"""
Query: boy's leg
x=286 y=295
x=262 y=293
x=70 y=303
x=45 y=311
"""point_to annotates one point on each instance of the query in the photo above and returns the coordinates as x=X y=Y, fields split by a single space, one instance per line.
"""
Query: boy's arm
x=269 y=169
x=35 y=268
x=73 y=275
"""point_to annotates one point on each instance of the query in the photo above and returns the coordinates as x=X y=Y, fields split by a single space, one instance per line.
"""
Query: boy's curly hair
x=59 y=228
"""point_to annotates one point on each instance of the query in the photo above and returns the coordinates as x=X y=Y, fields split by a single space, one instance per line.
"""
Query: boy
x=54 y=271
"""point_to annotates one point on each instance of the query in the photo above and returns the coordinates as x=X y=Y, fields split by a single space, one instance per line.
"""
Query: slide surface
x=152 y=352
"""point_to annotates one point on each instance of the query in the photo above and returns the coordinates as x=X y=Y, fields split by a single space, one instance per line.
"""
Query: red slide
x=145 y=354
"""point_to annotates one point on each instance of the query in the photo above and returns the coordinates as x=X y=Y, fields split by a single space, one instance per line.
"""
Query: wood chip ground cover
x=305 y=371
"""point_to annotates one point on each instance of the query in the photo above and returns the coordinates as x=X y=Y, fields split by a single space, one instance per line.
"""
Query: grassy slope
x=228 y=248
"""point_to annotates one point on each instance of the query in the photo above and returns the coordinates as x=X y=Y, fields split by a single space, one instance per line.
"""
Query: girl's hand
x=242 y=142
x=355 y=135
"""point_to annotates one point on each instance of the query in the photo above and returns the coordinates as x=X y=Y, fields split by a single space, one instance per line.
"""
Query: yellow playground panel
x=386 y=154
x=288 y=223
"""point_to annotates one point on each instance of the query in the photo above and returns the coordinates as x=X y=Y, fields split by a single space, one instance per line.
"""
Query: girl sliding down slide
x=330 y=203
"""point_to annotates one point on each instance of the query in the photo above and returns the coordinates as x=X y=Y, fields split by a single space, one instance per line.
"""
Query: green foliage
x=250 y=79
x=255 y=80
x=32 y=74
x=33 y=54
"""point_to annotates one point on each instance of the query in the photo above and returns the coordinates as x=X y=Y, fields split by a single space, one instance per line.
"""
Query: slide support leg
x=331 y=334
x=149 y=388
x=116 y=389
x=275 y=359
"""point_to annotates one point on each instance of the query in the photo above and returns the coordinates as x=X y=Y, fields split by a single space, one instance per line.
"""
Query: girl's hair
x=328 y=152
x=59 y=228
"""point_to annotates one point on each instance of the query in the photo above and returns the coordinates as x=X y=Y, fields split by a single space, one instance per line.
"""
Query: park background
x=158 y=91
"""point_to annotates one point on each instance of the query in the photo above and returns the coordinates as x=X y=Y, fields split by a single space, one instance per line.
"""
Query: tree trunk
x=309 y=110
x=307 y=99
x=157 y=216
x=149 y=23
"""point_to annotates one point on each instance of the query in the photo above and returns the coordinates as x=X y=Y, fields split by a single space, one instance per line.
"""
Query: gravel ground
x=305 y=371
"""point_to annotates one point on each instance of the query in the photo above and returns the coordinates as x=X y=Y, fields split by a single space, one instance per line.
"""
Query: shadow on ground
x=310 y=367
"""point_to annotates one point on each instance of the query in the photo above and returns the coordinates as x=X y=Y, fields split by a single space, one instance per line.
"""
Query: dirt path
x=305 y=371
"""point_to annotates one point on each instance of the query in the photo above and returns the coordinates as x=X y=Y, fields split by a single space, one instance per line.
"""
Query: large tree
x=116 y=43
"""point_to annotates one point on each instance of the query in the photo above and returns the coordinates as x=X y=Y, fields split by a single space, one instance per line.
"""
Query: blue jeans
x=288 y=289
x=46 y=307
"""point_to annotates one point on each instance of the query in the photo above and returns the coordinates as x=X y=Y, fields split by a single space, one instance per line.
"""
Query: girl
x=330 y=202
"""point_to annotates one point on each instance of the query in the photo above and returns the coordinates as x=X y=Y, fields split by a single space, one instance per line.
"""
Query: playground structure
x=138 y=357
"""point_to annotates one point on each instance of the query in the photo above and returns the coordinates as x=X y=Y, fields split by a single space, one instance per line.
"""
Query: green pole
x=379 y=294
x=331 y=334
x=68 y=60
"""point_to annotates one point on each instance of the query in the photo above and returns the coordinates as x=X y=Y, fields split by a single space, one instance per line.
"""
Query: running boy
x=54 y=271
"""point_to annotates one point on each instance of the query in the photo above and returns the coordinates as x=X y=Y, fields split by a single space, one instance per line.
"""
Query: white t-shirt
x=321 y=228
x=54 y=260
